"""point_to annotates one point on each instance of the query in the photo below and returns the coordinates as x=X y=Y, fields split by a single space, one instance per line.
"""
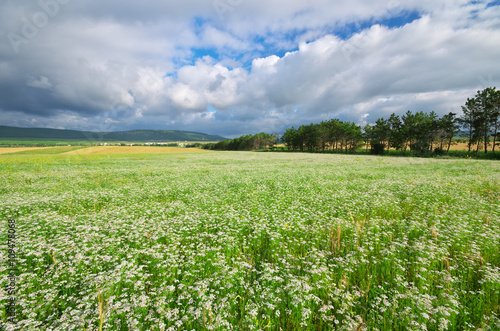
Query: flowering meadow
x=251 y=241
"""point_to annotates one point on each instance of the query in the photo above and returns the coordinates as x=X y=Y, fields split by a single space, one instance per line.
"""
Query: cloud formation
x=234 y=67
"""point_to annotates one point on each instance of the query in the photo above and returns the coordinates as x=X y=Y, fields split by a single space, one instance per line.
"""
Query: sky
x=237 y=67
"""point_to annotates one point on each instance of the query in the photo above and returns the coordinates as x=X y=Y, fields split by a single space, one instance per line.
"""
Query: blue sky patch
x=493 y=4
x=199 y=53
x=211 y=109
x=392 y=22
x=288 y=40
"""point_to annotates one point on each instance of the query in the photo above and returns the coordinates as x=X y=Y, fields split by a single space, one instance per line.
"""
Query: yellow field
x=133 y=150
x=19 y=149
x=465 y=146
x=458 y=147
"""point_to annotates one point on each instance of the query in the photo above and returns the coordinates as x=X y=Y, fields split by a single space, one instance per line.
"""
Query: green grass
x=249 y=241
x=18 y=142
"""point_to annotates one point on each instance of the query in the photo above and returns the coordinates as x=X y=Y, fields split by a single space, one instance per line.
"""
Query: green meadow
x=17 y=142
x=251 y=241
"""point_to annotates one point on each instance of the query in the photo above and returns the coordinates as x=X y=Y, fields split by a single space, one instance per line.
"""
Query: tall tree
x=291 y=139
x=354 y=136
x=381 y=132
x=488 y=115
x=408 y=129
x=495 y=100
x=468 y=120
x=324 y=133
x=433 y=128
x=335 y=132
x=396 y=138
x=447 y=129
x=422 y=127
x=367 y=135
x=310 y=137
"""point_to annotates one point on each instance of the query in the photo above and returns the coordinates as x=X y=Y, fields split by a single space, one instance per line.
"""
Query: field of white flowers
x=251 y=241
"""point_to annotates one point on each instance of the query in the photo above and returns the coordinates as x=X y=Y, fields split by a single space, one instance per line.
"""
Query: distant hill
x=134 y=135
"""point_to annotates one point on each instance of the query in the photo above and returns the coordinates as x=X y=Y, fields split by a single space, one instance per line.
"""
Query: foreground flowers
x=226 y=241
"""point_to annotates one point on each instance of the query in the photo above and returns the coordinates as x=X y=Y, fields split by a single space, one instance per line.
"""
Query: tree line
x=334 y=134
x=245 y=143
x=481 y=118
x=419 y=132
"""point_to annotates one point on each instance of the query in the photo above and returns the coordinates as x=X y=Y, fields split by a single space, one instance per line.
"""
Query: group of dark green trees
x=245 y=143
x=419 y=132
x=480 y=118
x=333 y=134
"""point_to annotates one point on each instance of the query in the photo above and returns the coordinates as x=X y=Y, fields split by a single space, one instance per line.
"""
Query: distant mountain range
x=134 y=135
